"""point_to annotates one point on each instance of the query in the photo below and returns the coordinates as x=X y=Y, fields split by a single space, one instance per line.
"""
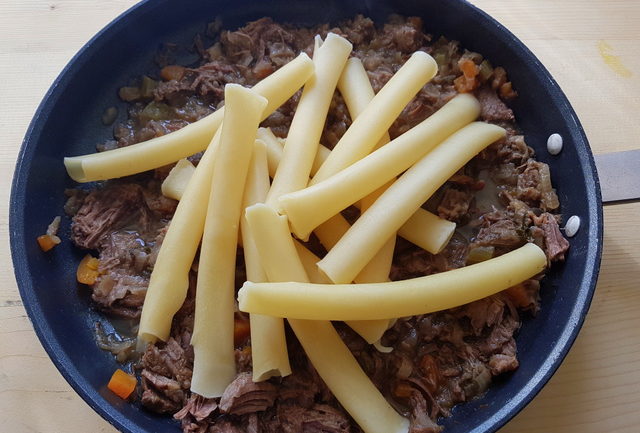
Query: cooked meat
x=198 y=407
x=555 y=244
x=245 y=396
x=120 y=294
x=455 y=204
x=502 y=233
x=420 y=421
x=512 y=150
x=106 y=210
x=318 y=419
x=160 y=393
x=493 y=109
x=166 y=377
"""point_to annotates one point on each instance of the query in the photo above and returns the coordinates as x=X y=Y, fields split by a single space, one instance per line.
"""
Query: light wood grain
x=598 y=386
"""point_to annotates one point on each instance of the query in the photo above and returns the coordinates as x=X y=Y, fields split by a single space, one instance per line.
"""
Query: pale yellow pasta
x=317 y=43
x=355 y=87
x=321 y=157
x=214 y=365
x=308 y=121
x=331 y=358
x=308 y=208
x=394 y=207
x=330 y=232
x=274 y=151
x=356 y=90
x=257 y=183
x=423 y=229
x=394 y=299
x=268 y=344
x=193 y=138
x=170 y=276
x=435 y=238
x=345 y=378
x=174 y=185
x=309 y=261
x=378 y=268
x=370 y=125
x=370 y=330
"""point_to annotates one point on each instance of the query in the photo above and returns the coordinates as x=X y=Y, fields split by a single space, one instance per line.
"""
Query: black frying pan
x=68 y=123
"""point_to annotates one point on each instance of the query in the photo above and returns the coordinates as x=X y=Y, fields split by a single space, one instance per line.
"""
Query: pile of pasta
x=230 y=197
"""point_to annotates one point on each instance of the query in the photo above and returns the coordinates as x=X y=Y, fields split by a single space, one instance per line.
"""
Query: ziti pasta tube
x=435 y=238
x=355 y=87
x=332 y=359
x=214 y=364
x=370 y=330
x=356 y=90
x=380 y=113
x=378 y=270
x=274 y=151
x=174 y=185
x=308 y=208
x=308 y=121
x=268 y=344
x=395 y=299
x=426 y=230
x=170 y=276
x=396 y=205
x=277 y=88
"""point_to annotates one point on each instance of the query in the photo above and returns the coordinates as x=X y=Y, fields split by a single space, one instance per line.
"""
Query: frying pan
x=68 y=123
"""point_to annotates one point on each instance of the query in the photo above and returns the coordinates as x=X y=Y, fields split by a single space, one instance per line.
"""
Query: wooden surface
x=591 y=47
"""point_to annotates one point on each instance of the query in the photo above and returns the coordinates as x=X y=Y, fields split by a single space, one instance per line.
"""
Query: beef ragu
x=501 y=200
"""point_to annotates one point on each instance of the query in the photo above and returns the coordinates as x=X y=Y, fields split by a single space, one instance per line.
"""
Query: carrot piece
x=87 y=270
x=468 y=68
x=122 y=384
x=241 y=331
x=172 y=72
x=467 y=82
x=47 y=242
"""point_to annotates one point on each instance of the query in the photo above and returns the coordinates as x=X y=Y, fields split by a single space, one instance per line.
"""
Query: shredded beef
x=420 y=420
x=106 y=210
x=513 y=149
x=411 y=262
x=318 y=419
x=245 y=396
x=555 y=244
x=198 y=407
x=502 y=233
x=493 y=109
x=455 y=204
x=125 y=223
x=160 y=393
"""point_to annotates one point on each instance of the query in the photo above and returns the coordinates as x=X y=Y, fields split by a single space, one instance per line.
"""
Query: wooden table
x=590 y=46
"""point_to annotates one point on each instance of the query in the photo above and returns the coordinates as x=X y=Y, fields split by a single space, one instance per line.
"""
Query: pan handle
x=619 y=174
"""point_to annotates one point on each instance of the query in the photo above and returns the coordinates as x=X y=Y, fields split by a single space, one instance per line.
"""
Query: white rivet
x=554 y=144
x=572 y=226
